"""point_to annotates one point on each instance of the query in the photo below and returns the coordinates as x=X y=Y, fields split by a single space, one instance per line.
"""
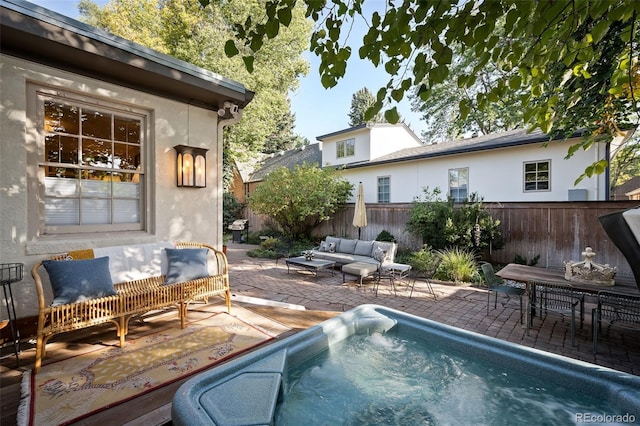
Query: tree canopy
x=183 y=29
x=301 y=198
x=442 y=112
x=361 y=101
x=574 y=64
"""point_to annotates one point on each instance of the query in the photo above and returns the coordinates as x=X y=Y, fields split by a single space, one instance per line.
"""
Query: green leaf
x=248 y=63
x=464 y=108
x=392 y=66
x=327 y=81
x=397 y=94
x=601 y=166
x=284 y=15
x=272 y=28
x=438 y=74
x=391 y=115
x=230 y=49
x=256 y=43
x=515 y=82
x=443 y=56
x=599 y=30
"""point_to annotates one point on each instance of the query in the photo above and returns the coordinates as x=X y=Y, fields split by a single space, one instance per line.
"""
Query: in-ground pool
x=374 y=365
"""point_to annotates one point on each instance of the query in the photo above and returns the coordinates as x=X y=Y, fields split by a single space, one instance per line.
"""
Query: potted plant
x=225 y=240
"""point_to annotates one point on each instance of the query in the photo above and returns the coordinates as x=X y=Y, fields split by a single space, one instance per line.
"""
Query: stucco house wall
x=161 y=90
x=496 y=174
x=371 y=141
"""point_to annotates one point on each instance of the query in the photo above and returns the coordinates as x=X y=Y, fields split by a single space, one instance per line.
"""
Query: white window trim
x=35 y=173
x=524 y=173
x=449 y=183
x=378 y=189
x=342 y=153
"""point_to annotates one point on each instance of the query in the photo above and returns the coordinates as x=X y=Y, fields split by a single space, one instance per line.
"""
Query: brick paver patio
x=464 y=307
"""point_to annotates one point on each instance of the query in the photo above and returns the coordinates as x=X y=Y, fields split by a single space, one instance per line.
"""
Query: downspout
x=222 y=123
x=607 y=176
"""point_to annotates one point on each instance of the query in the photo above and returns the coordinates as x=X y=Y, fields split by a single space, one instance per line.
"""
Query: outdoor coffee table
x=313 y=265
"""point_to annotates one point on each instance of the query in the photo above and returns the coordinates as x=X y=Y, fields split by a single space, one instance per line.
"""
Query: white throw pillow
x=379 y=254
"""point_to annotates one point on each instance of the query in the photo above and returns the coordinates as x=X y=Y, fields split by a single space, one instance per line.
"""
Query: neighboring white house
x=509 y=166
x=89 y=122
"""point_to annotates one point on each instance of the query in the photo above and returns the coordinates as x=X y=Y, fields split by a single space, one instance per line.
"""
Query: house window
x=384 y=189
x=458 y=184
x=536 y=176
x=346 y=148
x=92 y=166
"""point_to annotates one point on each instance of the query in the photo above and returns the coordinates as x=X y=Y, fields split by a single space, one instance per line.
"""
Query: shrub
x=231 y=209
x=423 y=260
x=385 y=235
x=457 y=265
x=300 y=199
x=441 y=224
x=283 y=246
x=403 y=254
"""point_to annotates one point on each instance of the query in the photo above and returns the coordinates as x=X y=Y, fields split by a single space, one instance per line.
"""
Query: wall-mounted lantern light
x=191 y=166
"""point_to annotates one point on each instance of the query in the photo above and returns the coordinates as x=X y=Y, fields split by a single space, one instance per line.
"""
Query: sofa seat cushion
x=342 y=258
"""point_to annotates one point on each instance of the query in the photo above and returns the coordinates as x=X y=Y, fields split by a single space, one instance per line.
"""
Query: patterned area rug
x=70 y=389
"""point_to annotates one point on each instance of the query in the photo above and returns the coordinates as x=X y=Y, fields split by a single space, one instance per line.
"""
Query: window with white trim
x=537 y=176
x=384 y=189
x=346 y=148
x=459 y=184
x=92 y=165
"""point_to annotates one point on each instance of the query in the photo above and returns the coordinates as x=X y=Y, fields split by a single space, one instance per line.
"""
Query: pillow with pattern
x=379 y=254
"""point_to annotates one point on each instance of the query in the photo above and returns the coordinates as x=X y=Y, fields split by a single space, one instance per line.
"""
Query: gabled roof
x=627 y=189
x=507 y=139
x=369 y=126
x=44 y=36
x=310 y=154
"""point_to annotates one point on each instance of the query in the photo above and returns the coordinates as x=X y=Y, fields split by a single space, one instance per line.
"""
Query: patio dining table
x=524 y=274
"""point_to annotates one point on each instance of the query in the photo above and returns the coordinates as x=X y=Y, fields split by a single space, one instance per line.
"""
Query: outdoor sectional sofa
x=360 y=258
x=343 y=251
x=114 y=284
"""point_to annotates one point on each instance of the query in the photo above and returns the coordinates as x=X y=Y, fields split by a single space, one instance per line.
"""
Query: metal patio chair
x=496 y=285
x=556 y=297
x=426 y=276
x=614 y=308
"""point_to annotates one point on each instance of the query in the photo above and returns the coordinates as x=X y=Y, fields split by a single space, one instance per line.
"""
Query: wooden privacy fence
x=557 y=231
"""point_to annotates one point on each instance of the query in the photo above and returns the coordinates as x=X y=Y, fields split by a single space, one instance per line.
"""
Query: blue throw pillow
x=186 y=264
x=79 y=280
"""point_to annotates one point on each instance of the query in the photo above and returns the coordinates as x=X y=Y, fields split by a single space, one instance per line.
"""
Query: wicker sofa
x=143 y=278
x=344 y=251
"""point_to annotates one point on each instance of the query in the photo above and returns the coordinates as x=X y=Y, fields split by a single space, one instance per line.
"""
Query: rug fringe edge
x=25 y=400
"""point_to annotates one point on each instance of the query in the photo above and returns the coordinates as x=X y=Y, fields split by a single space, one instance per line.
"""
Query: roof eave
x=40 y=35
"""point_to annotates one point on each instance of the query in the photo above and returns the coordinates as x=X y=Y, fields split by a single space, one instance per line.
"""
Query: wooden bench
x=131 y=298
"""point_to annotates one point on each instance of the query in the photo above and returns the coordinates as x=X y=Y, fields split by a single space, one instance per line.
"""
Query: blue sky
x=318 y=110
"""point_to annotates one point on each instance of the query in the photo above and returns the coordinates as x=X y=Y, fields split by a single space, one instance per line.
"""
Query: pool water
x=398 y=380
